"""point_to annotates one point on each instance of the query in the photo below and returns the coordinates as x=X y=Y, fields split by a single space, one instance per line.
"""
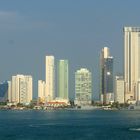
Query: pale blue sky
x=76 y=30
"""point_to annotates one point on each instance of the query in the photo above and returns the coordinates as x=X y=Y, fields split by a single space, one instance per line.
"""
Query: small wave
x=134 y=129
x=32 y=125
x=48 y=124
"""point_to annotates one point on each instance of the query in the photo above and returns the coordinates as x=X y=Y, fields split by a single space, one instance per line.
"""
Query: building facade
x=119 y=89
x=83 y=87
x=63 y=79
x=4 y=91
x=22 y=89
x=9 y=91
x=106 y=76
x=50 y=77
x=131 y=62
x=42 y=94
x=138 y=92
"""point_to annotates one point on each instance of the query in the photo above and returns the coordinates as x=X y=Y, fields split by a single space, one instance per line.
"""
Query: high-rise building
x=83 y=87
x=9 y=91
x=50 y=77
x=4 y=91
x=63 y=75
x=106 y=76
x=42 y=91
x=119 y=89
x=21 y=89
x=131 y=62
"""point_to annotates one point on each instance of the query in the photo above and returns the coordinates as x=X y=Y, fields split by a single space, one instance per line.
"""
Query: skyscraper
x=50 y=78
x=63 y=77
x=106 y=76
x=83 y=87
x=22 y=89
x=4 y=91
x=131 y=62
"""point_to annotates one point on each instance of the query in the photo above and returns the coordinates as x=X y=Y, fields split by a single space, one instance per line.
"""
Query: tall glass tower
x=4 y=91
x=131 y=62
x=106 y=76
x=63 y=79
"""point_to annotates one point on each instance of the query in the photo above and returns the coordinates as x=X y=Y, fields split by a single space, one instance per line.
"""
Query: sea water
x=70 y=125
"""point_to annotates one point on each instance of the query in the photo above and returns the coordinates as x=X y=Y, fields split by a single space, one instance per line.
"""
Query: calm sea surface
x=70 y=125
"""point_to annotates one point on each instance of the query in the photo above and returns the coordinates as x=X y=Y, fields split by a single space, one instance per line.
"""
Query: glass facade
x=3 y=91
x=63 y=75
x=108 y=75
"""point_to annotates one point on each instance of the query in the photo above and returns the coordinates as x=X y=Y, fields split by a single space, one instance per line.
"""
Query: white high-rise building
x=83 y=87
x=42 y=91
x=22 y=89
x=50 y=78
x=119 y=89
x=131 y=62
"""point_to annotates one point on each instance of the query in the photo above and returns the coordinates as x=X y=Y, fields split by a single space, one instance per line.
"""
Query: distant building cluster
x=127 y=86
x=54 y=90
x=18 y=90
x=46 y=89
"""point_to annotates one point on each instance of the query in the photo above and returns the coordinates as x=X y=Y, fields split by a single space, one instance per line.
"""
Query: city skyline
x=70 y=30
x=106 y=60
x=69 y=69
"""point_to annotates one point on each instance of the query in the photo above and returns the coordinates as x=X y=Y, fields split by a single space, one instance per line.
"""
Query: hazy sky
x=76 y=30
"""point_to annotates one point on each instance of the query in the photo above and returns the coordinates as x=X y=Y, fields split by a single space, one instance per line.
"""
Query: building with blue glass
x=4 y=91
x=106 y=76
